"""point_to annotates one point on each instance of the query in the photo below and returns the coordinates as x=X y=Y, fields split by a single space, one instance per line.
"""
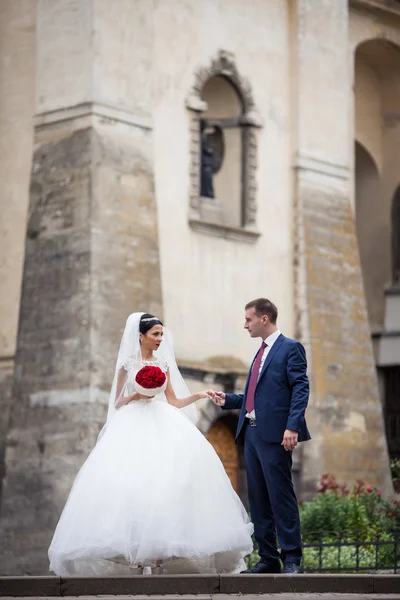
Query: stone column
x=91 y=253
x=17 y=64
x=345 y=413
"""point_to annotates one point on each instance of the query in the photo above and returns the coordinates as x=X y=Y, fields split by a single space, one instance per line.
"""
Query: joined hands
x=217 y=397
x=290 y=437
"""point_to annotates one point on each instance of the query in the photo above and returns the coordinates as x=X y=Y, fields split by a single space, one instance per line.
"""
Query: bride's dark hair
x=148 y=321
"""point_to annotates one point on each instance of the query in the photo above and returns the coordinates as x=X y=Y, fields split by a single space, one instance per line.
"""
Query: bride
x=153 y=492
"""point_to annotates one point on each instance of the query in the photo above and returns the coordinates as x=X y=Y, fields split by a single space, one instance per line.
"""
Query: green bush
x=330 y=513
x=360 y=513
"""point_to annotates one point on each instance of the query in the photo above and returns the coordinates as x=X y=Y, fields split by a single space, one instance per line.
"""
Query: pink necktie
x=254 y=378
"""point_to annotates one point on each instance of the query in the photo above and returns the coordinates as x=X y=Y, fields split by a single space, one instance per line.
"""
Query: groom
x=271 y=423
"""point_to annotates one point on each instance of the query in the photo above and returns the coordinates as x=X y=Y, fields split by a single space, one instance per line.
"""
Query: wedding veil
x=130 y=347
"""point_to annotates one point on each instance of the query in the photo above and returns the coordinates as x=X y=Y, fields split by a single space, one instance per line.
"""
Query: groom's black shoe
x=290 y=568
x=263 y=567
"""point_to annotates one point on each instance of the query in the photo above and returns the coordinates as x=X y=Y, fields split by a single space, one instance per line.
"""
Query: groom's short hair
x=263 y=306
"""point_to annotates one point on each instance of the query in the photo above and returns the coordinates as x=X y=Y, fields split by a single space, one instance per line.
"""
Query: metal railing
x=331 y=552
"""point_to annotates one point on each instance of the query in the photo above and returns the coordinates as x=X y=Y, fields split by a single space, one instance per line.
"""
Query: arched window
x=223 y=151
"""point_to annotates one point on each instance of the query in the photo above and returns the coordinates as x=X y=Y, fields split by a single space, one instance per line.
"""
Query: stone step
x=200 y=586
x=228 y=597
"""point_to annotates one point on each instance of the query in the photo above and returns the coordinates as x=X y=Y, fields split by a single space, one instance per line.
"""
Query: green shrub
x=360 y=513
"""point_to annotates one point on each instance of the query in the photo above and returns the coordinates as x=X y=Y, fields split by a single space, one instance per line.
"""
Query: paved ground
x=226 y=597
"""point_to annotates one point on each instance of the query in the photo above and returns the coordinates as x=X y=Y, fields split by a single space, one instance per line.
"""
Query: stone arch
x=377 y=135
x=224 y=65
x=368 y=108
x=374 y=31
x=367 y=194
x=223 y=72
x=383 y=56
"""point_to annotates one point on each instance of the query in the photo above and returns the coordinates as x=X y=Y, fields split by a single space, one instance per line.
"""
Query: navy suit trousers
x=273 y=504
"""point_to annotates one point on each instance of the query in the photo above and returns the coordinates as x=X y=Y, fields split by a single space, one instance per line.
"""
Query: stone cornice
x=376 y=7
x=92 y=109
x=229 y=232
x=311 y=163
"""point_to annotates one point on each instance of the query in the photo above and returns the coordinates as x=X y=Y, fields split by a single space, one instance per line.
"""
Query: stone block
x=299 y=584
x=387 y=584
x=30 y=586
x=140 y=584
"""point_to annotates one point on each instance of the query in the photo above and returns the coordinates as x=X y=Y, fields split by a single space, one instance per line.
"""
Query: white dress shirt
x=270 y=341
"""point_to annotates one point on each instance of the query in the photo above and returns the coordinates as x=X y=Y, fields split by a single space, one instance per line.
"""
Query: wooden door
x=223 y=441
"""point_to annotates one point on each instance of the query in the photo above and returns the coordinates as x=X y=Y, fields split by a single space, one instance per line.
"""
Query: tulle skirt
x=153 y=489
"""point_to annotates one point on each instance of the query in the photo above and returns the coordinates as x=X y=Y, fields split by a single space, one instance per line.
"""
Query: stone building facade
x=107 y=112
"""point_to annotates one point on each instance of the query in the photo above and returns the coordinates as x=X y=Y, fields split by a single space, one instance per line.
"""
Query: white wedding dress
x=153 y=488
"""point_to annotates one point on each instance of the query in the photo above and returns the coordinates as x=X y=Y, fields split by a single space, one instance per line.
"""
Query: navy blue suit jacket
x=281 y=395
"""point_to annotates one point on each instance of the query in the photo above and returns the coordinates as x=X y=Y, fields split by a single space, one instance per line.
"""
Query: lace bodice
x=132 y=366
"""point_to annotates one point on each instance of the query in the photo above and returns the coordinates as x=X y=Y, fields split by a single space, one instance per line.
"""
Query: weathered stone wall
x=348 y=429
x=125 y=266
x=17 y=73
x=49 y=436
x=91 y=259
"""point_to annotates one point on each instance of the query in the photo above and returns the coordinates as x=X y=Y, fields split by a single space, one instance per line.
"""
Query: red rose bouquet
x=150 y=381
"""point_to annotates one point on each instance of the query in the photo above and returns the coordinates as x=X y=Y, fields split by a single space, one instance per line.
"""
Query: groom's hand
x=290 y=439
x=218 y=398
